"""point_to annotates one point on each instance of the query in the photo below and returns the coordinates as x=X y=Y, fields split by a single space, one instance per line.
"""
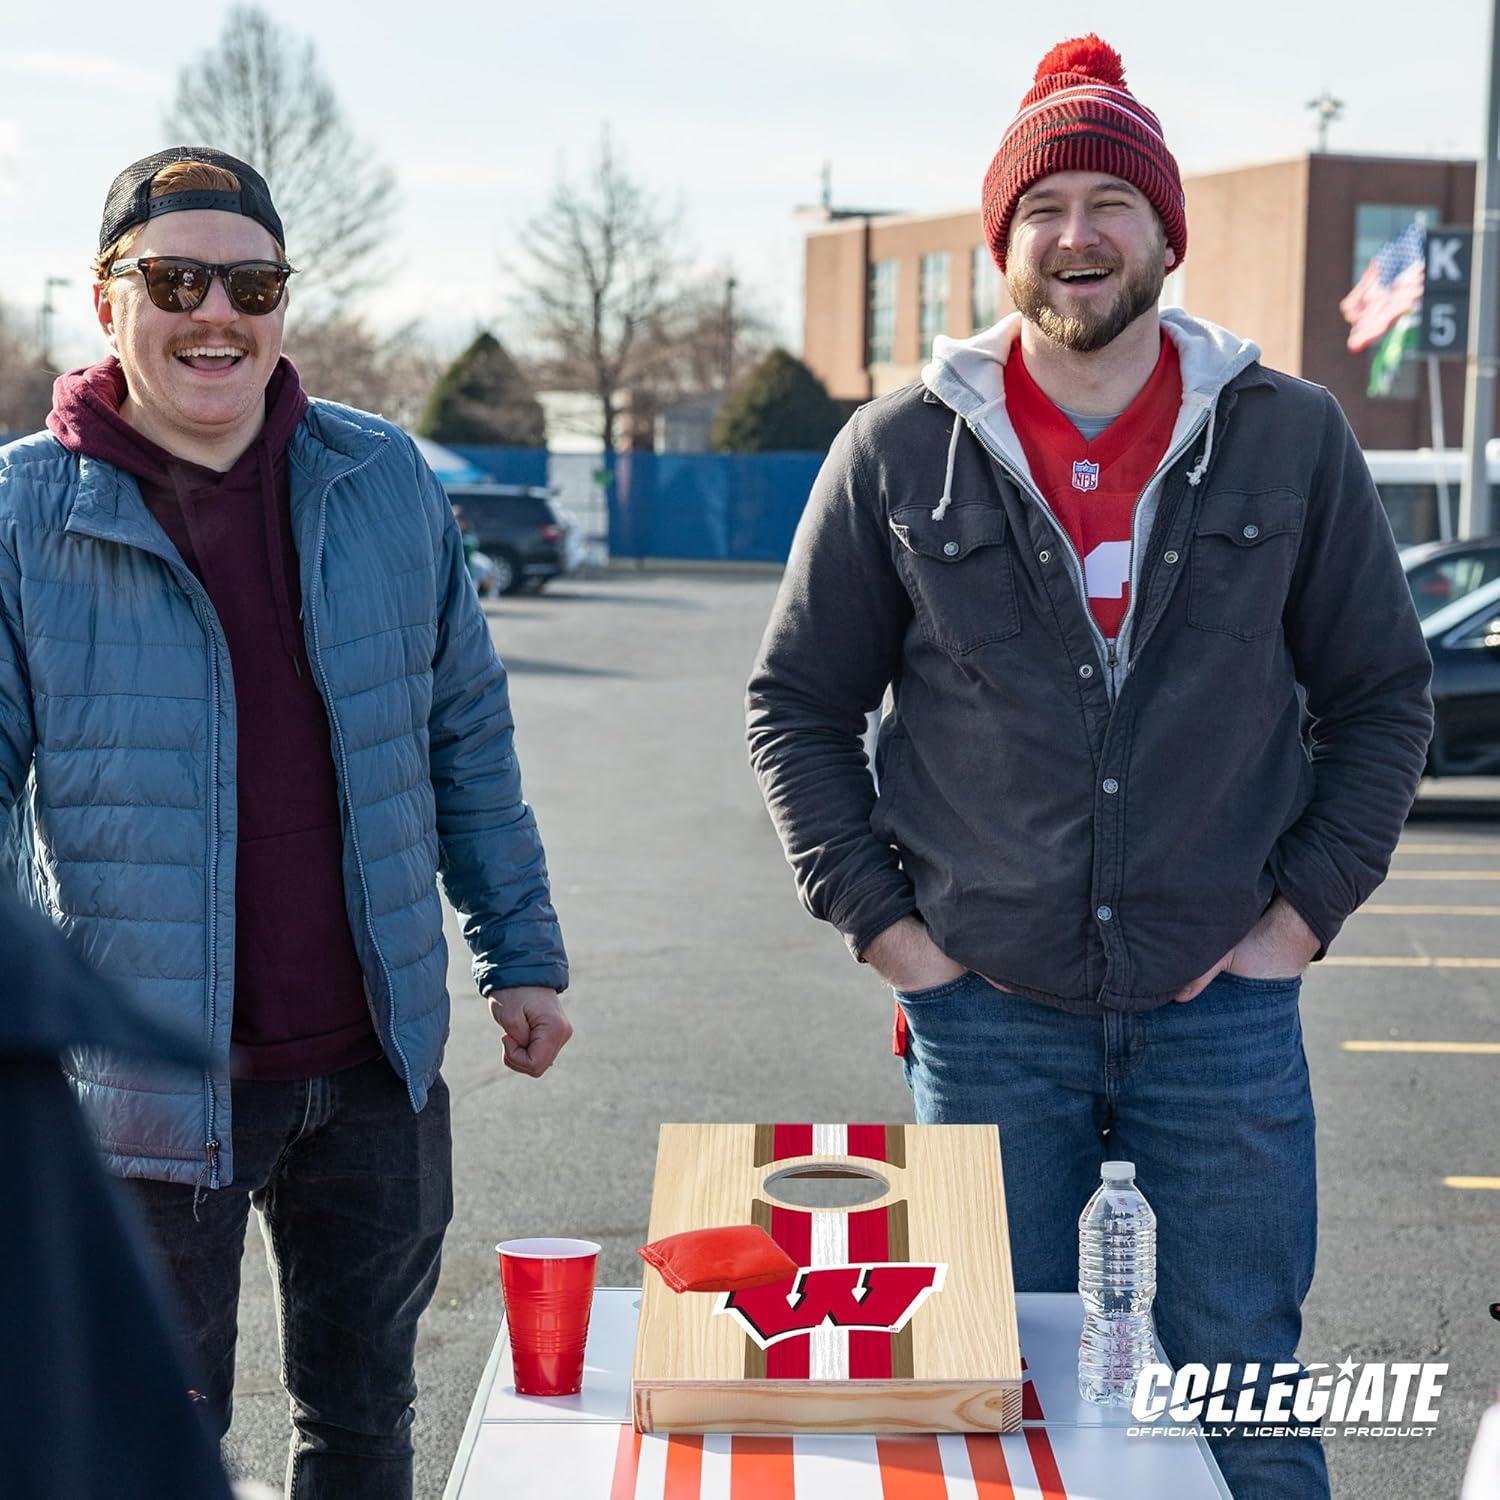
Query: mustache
x=236 y=341
x=1071 y=263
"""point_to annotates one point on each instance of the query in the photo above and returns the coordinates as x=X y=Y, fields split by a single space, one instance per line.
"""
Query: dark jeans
x=354 y=1193
x=1211 y=1102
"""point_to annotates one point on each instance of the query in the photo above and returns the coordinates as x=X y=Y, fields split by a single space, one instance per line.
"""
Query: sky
x=726 y=112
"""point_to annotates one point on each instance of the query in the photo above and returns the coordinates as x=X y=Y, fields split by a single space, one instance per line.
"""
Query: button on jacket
x=1084 y=822
x=117 y=763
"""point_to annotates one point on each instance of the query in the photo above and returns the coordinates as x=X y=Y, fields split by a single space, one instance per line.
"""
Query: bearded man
x=249 y=709
x=1090 y=557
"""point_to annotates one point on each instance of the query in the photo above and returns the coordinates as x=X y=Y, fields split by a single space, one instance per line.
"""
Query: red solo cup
x=549 y=1292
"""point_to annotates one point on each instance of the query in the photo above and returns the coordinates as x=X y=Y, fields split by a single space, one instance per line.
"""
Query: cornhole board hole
x=902 y=1317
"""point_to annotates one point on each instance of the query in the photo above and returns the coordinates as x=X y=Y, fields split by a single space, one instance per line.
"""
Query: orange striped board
x=976 y=1466
x=602 y=1461
x=901 y=1318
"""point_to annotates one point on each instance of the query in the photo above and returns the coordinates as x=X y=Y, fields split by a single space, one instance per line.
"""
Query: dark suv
x=518 y=528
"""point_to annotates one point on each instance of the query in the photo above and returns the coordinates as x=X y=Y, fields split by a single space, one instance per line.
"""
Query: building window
x=882 y=312
x=934 y=298
x=1374 y=224
x=985 y=297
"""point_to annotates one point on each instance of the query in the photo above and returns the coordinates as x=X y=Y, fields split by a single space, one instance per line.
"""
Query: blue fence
x=720 y=507
x=708 y=507
x=508 y=465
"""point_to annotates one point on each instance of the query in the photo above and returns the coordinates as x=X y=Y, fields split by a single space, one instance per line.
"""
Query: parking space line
x=1377 y=908
x=1492 y=1183
x=1412 y=961
x=1487 y=1048
x=1448 y=848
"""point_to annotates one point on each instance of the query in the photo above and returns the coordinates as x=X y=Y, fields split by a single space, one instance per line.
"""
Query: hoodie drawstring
x=947 y=500
x=1201 y=467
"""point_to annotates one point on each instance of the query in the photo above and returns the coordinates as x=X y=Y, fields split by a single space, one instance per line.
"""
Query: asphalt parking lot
x=701 y=991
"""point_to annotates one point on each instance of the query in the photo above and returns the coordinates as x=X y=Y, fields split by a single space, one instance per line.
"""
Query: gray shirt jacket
x=1089 y=823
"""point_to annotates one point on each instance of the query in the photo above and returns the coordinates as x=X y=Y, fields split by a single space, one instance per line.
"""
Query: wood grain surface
x=691 y=1369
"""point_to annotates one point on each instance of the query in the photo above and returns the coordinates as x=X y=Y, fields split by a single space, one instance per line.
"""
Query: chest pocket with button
x=1242 y=560
x=958 y=573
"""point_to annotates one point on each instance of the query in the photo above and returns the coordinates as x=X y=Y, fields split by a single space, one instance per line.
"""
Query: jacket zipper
x=1162 y=470
x=338 y=740
x=1106 y=649
x=204 y=610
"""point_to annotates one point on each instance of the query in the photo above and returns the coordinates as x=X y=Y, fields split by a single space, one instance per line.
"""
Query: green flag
x=1393 y=349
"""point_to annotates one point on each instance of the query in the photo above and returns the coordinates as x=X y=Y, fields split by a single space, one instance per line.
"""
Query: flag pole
x=1440 y=447
x=1474 y=518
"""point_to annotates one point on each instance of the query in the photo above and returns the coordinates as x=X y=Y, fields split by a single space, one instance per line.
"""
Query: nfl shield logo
x=1085 y=475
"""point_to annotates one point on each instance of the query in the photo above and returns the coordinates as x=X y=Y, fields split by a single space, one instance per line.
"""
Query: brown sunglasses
x=175 y=284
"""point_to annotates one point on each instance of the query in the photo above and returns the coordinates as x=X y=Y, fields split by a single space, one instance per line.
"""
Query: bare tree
x=599 y=283
x=343 y=359
x=711 y=334
x=25 y=386
x=259 y=93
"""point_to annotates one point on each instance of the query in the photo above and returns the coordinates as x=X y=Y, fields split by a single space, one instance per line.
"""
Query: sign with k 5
x=1444 y=326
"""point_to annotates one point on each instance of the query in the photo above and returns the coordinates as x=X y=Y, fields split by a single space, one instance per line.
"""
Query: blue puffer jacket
x=117 y=763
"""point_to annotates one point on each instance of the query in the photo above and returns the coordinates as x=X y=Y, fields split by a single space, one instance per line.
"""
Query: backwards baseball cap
x=129 y=201
x=1078 y=116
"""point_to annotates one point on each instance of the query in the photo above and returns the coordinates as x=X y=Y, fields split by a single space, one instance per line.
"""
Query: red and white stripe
x=1020 y=1466
x=828 y=1352
x=852 y=1237
x=1102 y=94
x=1372 y=309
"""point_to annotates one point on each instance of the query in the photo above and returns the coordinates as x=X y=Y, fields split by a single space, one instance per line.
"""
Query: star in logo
x=1346 y=1369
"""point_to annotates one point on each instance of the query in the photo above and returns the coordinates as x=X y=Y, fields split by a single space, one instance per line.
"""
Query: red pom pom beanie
x=1078 y=116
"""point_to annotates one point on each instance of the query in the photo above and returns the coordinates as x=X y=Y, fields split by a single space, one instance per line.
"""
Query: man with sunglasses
x=249 y=708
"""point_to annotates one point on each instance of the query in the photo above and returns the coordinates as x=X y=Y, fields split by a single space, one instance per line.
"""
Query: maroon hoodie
x=299 y=999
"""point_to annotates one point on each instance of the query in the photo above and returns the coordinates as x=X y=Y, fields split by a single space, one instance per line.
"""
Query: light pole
x=1474 y=517
x=47 y=312
x=1328 y=110
x=729 y=286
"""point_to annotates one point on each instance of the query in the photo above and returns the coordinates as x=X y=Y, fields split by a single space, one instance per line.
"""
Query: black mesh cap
x=129 y=201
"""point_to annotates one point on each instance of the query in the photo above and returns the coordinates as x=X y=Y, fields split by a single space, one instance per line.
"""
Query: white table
x=583 y=1447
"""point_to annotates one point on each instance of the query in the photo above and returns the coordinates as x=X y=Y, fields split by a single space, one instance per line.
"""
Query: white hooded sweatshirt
x=968 y=377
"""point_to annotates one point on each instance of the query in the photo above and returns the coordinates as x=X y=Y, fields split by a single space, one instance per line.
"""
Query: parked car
x=1441 y=573
x=1464 y=639
x=519 y=529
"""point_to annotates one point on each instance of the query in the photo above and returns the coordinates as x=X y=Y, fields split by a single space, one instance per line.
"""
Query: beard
x=1088 y=329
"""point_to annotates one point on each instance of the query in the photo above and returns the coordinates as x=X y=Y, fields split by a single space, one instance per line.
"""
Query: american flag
x=1391 y=285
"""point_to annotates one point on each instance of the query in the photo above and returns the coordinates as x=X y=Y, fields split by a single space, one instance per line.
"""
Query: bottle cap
x=1118 y=1171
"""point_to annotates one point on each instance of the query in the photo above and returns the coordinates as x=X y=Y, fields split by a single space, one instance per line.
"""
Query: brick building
x=1271 y=251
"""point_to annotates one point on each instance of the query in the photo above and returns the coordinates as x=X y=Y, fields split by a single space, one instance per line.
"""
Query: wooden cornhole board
x=910 y=1291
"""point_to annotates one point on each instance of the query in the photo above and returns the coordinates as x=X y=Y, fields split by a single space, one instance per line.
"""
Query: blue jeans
x=1211 y=1102
x=354 y=1192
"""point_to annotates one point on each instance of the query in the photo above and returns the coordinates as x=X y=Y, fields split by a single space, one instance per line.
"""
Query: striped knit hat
x=1079 y=117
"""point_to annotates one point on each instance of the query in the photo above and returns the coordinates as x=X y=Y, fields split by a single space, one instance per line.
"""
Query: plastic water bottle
x=1117 y=1280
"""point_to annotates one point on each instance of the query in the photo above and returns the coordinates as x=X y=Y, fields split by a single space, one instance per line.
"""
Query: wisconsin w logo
x=880 y=1298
